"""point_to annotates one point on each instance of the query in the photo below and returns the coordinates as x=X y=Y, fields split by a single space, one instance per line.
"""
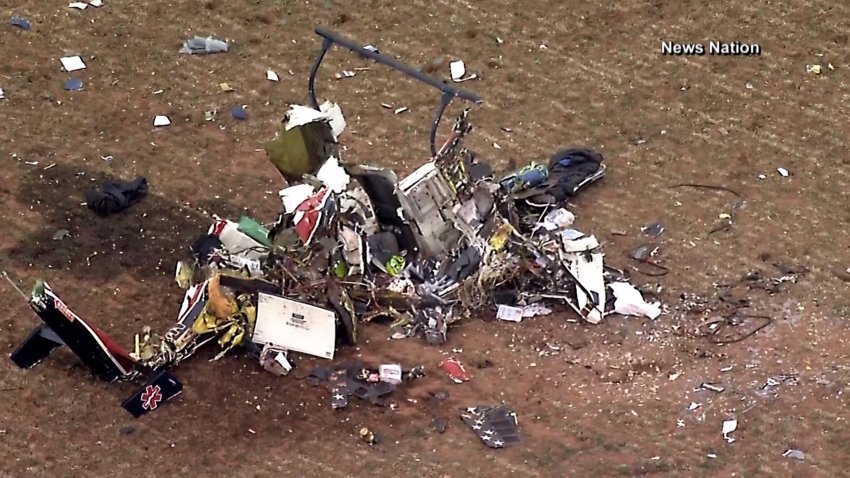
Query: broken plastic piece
x=21 y=23
x=457 y=70
x=200 y=46
x=630 y=302
x=333 y=175
x=74 y=84
x=161 y=121
x=239 y=113
x=455 y=370
x=795 y=454
x=390 y=373
x=272 y=76
x=783 y=172
x=729 y=426
x=78 y=5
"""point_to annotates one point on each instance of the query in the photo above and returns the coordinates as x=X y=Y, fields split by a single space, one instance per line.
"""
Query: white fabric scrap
x=629 y=301
x=334 y=175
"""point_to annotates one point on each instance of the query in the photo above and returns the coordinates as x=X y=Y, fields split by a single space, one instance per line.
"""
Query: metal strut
x=449 y=92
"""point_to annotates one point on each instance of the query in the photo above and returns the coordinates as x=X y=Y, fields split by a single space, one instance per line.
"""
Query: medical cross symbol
x=151 y=397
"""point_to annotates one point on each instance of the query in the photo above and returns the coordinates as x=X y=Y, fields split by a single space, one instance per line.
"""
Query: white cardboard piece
x=72 y=63
x=295 y=326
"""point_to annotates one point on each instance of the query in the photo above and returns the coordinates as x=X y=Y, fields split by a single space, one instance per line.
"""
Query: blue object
x=525 y=178
x=239 y=113
x=74 y=84
x=20 y=23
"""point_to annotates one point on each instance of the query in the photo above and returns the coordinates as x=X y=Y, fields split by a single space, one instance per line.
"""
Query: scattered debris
x=455 y=370
x=74 y=84
x=345 y=74
x=239 y=113
x=814 y=69
x=20 y=22
x=783 y=172
x=96 y=3
x=729 y=426
x=272 y=76
x=226 y=88
x=203 y=46
x=795 y=454
x=628 y=301
x=457 y=69
x=711 y=387
x=161 y=120
x=2 y=94
x=114 y=197
x=367 y=436
x=653 y=230
x=496 y=426
x=72 y=63
x=78 y=5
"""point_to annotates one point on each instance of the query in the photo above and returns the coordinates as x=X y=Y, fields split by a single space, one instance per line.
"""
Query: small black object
x=116 y=196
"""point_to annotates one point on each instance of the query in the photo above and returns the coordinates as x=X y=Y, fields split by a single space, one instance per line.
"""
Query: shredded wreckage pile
x=353 y=244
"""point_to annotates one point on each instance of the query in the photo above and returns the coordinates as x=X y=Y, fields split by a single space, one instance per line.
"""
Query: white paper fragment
x=78 y=5
x=629 y=301
x=272 y=76
x=96 y=3
x=161 y=120
x=534 y=310
x=783 y=172
x=72 y=63
x=333 y=175
x=390 y=373
x=295 y=326
x=729 y=426
x=511 y=314
x=457 y=69
x=293 y=196
x=2 y=94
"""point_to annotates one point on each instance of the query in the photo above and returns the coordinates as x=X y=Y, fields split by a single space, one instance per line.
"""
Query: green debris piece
x=395 y=265
x=341 y=269
x=254 y=230
x=38 y=289
x=301 y=150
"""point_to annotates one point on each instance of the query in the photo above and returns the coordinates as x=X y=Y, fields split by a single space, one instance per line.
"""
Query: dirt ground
x=607 y=400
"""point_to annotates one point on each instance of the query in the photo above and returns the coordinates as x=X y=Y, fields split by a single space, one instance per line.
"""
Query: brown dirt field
x=604 y=405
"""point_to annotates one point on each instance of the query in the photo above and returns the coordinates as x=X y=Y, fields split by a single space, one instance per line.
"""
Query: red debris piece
x=455 y=370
